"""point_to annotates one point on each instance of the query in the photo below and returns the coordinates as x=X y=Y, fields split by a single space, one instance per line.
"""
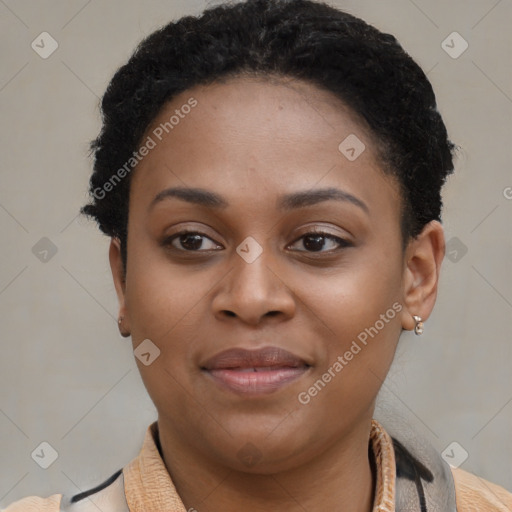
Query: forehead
x=250 y=136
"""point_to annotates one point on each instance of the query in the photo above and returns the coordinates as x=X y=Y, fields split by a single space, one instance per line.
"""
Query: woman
x=270 y=176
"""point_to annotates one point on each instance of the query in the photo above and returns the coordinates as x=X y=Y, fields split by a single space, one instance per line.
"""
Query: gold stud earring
x=418 y=328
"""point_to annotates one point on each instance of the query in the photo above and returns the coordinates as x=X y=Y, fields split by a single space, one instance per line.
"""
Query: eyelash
x=342 y=242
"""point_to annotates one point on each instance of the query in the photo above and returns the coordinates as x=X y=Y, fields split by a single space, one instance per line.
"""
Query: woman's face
x=256 y=274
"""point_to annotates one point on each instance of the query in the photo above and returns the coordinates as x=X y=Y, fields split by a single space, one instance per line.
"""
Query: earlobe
x=118 y=275
x=424 y=257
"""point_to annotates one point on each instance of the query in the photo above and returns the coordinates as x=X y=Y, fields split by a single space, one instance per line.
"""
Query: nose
x=254 y=291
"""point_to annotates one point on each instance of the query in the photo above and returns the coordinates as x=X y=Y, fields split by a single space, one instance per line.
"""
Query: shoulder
x=108 y=496
x=35 y=504
x=476 y=494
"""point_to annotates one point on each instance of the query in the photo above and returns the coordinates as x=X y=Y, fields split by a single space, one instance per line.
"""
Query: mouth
x=255 y=372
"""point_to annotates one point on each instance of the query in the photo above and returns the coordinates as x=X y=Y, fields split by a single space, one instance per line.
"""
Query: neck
x=342 y=477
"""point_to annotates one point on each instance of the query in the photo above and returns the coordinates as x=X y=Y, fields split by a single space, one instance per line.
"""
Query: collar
x=148 y=485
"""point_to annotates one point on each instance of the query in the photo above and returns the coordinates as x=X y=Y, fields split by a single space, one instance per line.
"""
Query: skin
x=252 y=140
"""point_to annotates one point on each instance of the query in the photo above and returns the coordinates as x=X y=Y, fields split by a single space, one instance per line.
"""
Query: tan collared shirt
x=148 y=486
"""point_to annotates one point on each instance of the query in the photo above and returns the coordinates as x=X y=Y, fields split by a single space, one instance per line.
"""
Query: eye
x=315 y=241
x=190 y=241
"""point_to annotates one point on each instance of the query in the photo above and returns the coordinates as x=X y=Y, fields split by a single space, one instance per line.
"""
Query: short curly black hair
x=300 y=39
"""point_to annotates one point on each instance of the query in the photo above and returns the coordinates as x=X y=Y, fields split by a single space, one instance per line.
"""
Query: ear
x=423 y=258
x=117 y=268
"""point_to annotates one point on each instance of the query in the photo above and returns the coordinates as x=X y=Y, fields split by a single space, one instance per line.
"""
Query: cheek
x=165 y=305
x=354 y=299
x=162 y=297
x=168 y=304
x=355 y=364
x=359 y=311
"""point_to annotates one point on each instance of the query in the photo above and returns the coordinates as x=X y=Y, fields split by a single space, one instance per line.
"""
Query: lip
x=255 y=372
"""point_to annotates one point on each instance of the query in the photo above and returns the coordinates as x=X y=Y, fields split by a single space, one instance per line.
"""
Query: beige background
x=66 y=375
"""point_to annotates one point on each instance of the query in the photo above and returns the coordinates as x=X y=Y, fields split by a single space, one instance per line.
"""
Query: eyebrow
x=286 y=202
